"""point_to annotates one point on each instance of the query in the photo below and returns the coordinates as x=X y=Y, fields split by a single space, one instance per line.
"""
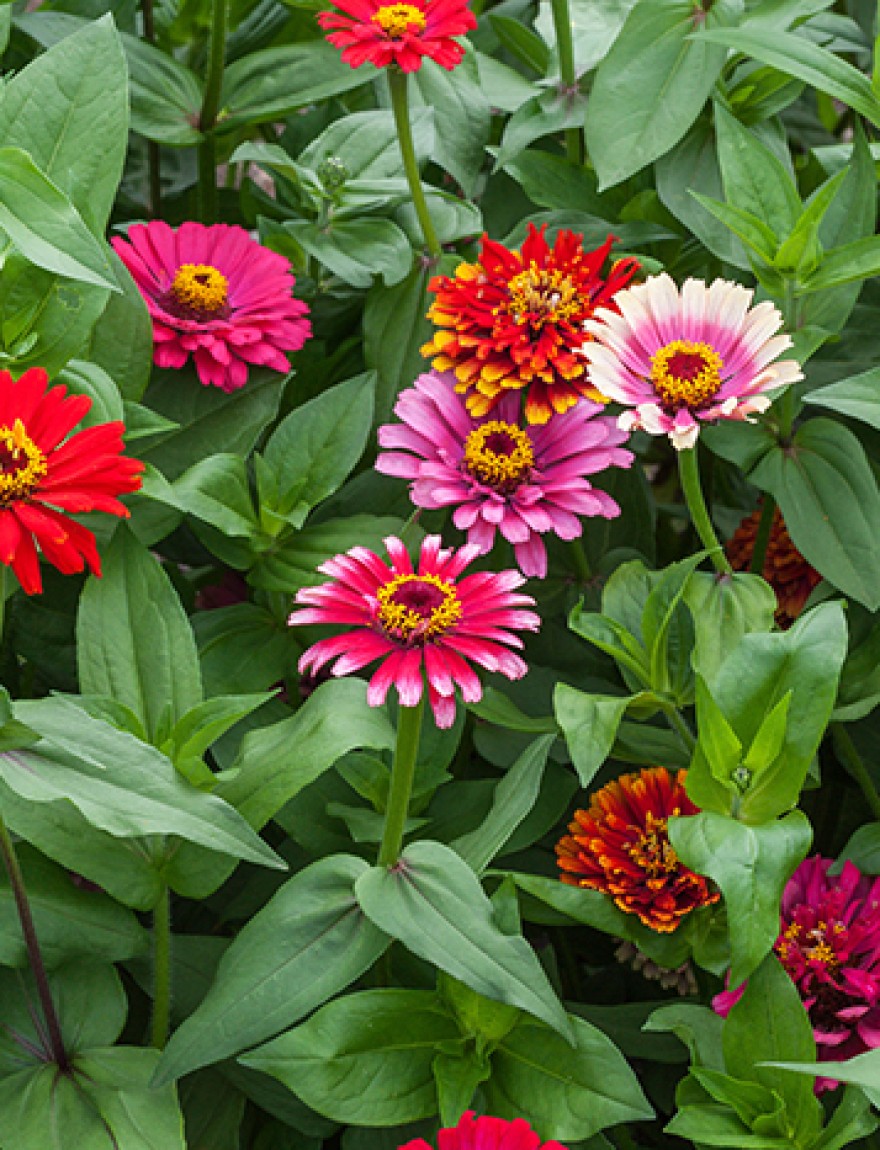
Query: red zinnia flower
x=621 y=847
x=829 y=944
x=486 y=1133
x=217 y=295
x=401 y=34
x=785 y=569
x=421 y=624
x=45 y=472
x=515 y=320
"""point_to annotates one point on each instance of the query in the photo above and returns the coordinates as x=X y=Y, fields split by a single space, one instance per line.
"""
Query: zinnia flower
x=680 y=360
x=498 y=475
x=420 y=623
x=217 y=295
x=785 y=569
x=401 y=34
x=486 y=1133
x=829 y=944
x=45 y=473
x=621 y=847
x=514 y=320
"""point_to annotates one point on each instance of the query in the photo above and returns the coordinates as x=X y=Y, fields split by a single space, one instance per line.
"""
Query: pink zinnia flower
x=420 y=623
x=499 y=475
x=401 y=34
x=680 y=360
x=486 y=1133
x=217 y=295
x=830 y=946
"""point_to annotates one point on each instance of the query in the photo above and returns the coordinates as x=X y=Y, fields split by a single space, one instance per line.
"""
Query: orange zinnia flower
x=621 y=847
x=785 y=569
x=514 y=320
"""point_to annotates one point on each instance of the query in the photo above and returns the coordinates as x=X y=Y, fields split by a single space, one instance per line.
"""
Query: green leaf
x=433 y=903
x=69 y=110
x=724 y=610
x=122 y=340
x=83 y=378
x=215 y=490
x=595 y=25
x=755 y=181
x=310 y=941
x=457 y=1077
x=523 y=43
x=357 y=251
x=797 y=56
x=461 y=118
x=364 y=1059
x=544 y=114
x=862 y=1071
x=135 y=643
x=717 y=1125
x=166 y=96
x=856 y=261
x=242 y=648
x=514 y=797
x=823 y=470
x=366 y=142
x=651 y=86
x=698 y=1027
x=753 y=232
x=566 y=1094
x=205 y=723
x=589 y=723
x=751 y=865
x=857 y=397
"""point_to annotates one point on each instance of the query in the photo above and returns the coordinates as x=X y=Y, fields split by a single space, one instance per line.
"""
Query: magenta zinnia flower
x=369 y=31
x=217 y=295
x=499 y=475
x=420 y=623
x=829 y=944
x=680 y=360
x=486 y=1133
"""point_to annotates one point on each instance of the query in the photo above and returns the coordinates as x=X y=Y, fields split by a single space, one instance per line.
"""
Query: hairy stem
x=409 y=728
x=398 y=82
x=689 y=473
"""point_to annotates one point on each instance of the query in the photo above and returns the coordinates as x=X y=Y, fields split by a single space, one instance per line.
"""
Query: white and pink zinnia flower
x=499 y=475
x=682 y=359
x=215 y=295
x=422 y=624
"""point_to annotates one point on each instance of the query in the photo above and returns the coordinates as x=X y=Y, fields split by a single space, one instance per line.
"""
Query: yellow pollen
x=686 y=374
x=499 y=454
x=652 y=851
x=539 y=296
x=417 y=608
x=22 y=464
x=398 y=19
x=200 y=287
x=823 y=953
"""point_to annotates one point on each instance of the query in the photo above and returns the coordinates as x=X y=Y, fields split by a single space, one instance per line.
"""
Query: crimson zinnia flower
x=829 y=944
x=421 y=623
x=514 y=320
x=499 y=475
x=621 y=847
x=486 y=1133
x=785 y=569
x=401 y=34
x=45 y=472
x=217 y=295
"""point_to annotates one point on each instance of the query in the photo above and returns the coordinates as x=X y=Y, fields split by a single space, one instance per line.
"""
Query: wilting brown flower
x=621 y=847
x=785 y=569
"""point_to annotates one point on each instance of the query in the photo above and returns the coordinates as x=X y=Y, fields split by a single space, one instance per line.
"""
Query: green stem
x=161 y=1023
x=403 y=769
x=398 y=82
x=689 y=473
x=32 y=945
x=153 y=155
x=574 y=139
x=678 y=724
x=787 y=401
x=580 y=562
x=852 y=760
x=762 y=536
x=209 y=111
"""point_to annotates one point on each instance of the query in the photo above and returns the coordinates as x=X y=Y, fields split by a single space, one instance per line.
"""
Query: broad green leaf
x=546 y=113
x=567 y=1094
x=521 y=41
x=84 y=378
x=554 y=182
x=717 y=1125
x=724 y=609
x=823 y=470
x=851 y=1121
x=754 y=179
x=751 y=865
x=366 y=143
x=862 y=1071
x=309 y=942
x=698 y=1027
x=242 y=648
x=717 y=741
x=461 y=118
x=215 y=490
x=122 y=340
x=498 y=708
x=357 y=251
x=859 y=260
x=135 y=643
x=857 y=397
x=433 y=903
x=651 y=86
x=364 y=1059
x=753 y=232
x=457 y=1077
x=595 y=25
x=589 y=723
x=166 y=95
x=205 y=723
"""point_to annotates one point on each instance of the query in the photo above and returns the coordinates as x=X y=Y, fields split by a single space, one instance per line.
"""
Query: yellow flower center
x=22 y=464
x=539 y=296
x=417 y=608
x=200 y=288
x=686 y=374
x=652 y=851
x=499 y=454
x=398 y=19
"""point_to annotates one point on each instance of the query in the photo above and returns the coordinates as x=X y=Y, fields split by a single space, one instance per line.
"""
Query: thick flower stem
x=689 y=474
x=579 y=559
x=35 y=957
x=209 y=111
x=409 y=728
x=574 y=140
x=161 y=1022
x=398 y=83
x=762 y=536
x=852 y=760
x=153 y=155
